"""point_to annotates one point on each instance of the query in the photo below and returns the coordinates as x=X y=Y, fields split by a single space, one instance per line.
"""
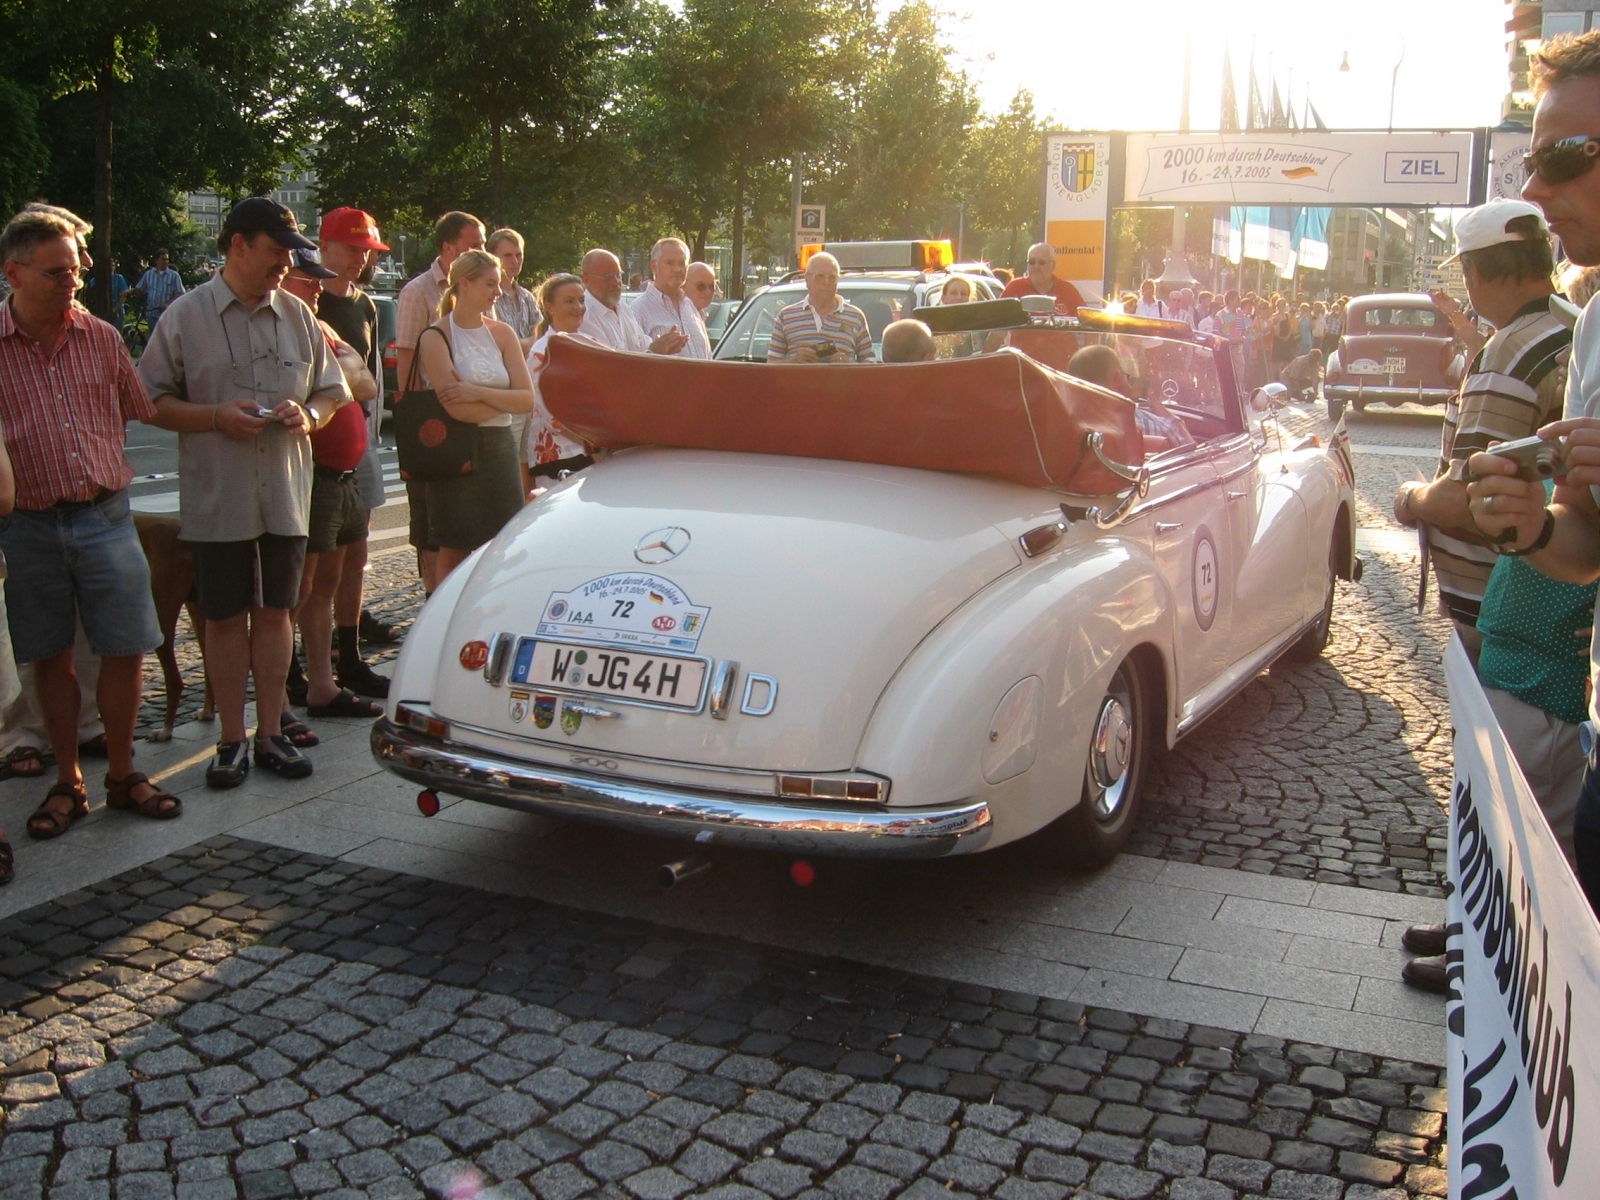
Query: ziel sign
x=1285 y=166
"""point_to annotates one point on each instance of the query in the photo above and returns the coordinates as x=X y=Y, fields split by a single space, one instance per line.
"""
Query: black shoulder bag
x=432 y=445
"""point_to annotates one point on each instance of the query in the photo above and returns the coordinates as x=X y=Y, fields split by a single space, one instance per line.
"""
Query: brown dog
x=172 y=588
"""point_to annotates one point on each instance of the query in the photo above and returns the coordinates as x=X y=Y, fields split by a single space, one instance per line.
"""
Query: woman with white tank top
x=484 y=380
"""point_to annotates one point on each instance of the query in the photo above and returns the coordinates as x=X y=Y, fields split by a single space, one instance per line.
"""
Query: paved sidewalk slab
x=238 y=1019
x=1252 y=953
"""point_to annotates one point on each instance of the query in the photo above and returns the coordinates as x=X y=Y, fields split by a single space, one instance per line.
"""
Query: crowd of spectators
x=1273 y=338
x=270 y=374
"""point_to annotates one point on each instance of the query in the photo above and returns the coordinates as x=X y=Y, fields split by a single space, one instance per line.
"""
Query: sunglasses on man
x=1562 y=161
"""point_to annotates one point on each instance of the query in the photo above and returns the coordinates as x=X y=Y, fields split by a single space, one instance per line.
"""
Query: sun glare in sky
x=1098 y=64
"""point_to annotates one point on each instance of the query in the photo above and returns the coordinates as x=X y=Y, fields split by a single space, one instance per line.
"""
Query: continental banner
x=1524 y=977
x=1077 y=190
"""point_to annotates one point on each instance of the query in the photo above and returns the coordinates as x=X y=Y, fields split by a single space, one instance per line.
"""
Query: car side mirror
x=1270 y=397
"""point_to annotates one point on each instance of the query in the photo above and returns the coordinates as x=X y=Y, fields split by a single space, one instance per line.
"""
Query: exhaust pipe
x=673 y=873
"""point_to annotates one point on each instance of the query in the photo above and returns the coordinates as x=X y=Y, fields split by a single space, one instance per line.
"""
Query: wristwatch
x=1539 y=543
x=1403 y=512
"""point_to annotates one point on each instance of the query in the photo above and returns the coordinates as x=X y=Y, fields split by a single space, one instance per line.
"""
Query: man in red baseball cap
x=350 y=245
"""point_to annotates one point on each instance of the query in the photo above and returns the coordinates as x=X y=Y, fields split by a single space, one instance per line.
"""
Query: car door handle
x=1168 y=526
x=1230 y=497
x=588 y=710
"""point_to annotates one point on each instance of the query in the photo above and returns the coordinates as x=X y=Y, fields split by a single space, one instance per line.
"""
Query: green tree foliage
x=1002 y=175
x=893 y=168
x=578 y=122
x=23 y=155
x=162 y=94
x=731 y=91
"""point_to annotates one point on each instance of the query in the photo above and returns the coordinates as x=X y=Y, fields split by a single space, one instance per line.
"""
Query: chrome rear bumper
x=707 y=817
x=1387 y=395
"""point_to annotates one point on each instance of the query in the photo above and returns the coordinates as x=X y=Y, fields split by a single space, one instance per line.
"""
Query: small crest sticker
x=544 y=711
x=571 y=718
x=519 y=707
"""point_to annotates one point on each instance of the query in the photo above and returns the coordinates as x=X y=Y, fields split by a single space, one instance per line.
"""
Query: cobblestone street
x=242 y=1020
x=294 y=991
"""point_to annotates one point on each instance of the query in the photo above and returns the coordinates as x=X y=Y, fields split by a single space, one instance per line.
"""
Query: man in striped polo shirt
x=1514 y=386
x=824 y=327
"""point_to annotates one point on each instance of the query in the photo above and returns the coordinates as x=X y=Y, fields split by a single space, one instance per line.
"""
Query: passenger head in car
x=956 y=290
x=908 y=341
x=1100 y=365
x=1162 y=429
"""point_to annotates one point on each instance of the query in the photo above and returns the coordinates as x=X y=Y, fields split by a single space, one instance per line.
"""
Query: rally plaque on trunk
x=630 y=608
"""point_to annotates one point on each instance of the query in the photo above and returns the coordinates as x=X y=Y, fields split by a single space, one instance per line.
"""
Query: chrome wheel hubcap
x=1110 y=754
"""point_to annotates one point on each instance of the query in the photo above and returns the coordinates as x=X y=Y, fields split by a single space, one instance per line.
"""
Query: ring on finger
x=1488 y=504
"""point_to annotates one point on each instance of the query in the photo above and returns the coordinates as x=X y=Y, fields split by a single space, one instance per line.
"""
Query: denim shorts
x=86 y=562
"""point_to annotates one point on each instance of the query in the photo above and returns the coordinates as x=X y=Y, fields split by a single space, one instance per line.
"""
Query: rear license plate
x=627 y=675
x=1394 y=366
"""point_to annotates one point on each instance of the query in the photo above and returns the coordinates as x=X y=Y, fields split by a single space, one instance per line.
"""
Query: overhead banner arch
x=1088 y=176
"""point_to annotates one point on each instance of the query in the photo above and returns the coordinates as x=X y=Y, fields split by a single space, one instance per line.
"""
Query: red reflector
x=802 y=872
x=474 y=655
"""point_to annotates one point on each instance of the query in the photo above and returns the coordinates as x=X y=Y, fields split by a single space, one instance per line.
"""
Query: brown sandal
x=119 y=794
x=50 y=819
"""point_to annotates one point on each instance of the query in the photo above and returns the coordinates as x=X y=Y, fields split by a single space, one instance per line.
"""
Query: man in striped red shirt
x=67 y=391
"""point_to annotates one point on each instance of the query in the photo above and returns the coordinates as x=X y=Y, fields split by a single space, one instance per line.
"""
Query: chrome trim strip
x=722 y=685
x=1183 y=493
x=1346 y=391
x=494 y=670
x=733 y=819
x=1235 y=681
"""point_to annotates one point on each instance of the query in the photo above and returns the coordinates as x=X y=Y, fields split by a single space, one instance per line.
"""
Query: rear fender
x=1067 y=622
x=422 y=654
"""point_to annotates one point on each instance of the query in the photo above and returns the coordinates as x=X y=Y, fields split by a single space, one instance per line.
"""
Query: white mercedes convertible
x=887 y=611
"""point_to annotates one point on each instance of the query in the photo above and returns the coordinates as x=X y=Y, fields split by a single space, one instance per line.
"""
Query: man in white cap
x=1515 y=385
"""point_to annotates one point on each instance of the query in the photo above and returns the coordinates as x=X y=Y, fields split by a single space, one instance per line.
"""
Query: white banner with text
x=1287 y=166
x=1524 y=960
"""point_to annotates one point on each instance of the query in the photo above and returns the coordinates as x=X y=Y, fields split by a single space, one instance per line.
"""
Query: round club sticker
x=1203 y=578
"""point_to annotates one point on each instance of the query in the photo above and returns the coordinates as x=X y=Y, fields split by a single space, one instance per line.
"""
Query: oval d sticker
x=1203 y=581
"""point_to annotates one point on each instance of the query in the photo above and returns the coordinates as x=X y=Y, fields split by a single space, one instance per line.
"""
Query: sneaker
x=375 y=633
x=279 y=755
x=229 y=767
x=363 y=681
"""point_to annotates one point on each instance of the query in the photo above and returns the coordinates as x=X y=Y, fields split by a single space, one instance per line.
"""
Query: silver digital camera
x=1536 y=458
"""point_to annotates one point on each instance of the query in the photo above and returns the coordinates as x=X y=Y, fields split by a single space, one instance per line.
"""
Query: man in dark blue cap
x=243 y=372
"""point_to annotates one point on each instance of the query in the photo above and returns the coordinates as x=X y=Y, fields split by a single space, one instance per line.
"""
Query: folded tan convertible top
x=999 y=414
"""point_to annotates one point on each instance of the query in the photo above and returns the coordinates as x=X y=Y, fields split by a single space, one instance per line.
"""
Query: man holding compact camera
x=244 y=374
x=1562 y=539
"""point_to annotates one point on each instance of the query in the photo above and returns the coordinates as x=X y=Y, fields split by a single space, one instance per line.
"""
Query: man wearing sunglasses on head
x=1562 y=539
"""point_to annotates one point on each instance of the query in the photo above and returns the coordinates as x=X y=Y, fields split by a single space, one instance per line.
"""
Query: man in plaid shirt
x=67 y=391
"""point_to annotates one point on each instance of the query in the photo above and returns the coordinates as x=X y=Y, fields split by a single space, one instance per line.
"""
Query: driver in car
x=824 y=327
x=1162 y=429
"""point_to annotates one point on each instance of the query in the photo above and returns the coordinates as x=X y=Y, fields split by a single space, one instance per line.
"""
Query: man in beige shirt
x=243 y=373
x=418 y=307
